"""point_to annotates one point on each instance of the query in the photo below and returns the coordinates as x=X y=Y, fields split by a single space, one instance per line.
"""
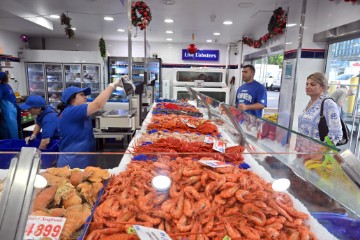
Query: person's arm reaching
x=100 y=101
x=37 y=129
x=44 y=143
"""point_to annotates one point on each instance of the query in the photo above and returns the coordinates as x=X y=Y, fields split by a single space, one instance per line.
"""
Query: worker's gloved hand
x=27 y=139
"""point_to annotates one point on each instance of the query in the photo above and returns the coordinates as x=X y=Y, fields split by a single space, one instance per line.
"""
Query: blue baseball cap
x=33 y=101
x=73 y=90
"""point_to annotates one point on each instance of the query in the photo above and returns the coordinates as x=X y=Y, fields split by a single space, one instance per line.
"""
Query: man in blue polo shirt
x=251 y=97
x=47 y=120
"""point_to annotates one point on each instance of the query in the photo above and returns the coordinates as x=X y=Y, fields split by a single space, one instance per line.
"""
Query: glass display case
x=60 y=76
x=241 y=194
x=212 y=77
x=149 y=74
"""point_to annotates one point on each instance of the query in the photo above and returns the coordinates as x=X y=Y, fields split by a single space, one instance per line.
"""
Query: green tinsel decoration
x=102 y=47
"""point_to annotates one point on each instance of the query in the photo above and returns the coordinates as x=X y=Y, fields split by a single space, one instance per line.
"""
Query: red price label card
x=209 y=139
x=38 y=227
x=219 y=146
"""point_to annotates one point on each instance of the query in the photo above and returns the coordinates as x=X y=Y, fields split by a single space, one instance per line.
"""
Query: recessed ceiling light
x=246 y=5
x=169 y=39
x=209 y=40
x=108 y=18
x=121 y=30
x=216 y=34
x=291 y=24
x=227 y=22
x=74 y=29
x=168 y=2
x=55 y=16
x=168 y=20
x=169 y=32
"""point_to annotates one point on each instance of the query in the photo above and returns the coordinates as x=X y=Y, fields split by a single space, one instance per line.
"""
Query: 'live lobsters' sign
x=201 y=55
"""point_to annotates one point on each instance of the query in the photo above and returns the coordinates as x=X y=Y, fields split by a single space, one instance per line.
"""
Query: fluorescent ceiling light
x=291 y=24
x=121 y=30
x=169 y=32
x=55 y=16
x=169 y=39
x=74 y=29
x=209 y=40
x=289 y=43
x=216 y=34
x=227 y=22
x=168 y=20
x=108 y=18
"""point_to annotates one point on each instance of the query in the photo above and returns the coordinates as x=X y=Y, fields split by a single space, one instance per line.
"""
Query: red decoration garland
x=140 y=14
x=352 y=1
x=276 y=26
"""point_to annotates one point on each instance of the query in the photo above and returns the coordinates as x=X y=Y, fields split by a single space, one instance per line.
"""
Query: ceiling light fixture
x=168 y=2
x=209 y=40
x=55 y=16
x=291 y=24
x=289 y=43
x=74 y=29
x=216 y=34
x=121 y=30
x=246 y=5
x=227 y=22
x=169 y=39
x=168 y=20
x=169 y=32
x=108 y=18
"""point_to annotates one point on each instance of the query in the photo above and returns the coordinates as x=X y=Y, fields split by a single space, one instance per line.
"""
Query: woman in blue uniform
x=47 y=120
x=8 y=110
x=76 y=130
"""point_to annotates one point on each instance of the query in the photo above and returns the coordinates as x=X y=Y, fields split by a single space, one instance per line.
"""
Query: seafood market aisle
x=174 y=133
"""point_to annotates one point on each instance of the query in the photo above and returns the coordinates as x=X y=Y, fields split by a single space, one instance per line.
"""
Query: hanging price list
x=38 y=227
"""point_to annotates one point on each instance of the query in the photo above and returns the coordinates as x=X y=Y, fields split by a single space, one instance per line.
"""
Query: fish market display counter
x=193 y=172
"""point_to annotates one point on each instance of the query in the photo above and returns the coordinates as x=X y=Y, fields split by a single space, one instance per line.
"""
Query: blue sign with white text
x=201 y=55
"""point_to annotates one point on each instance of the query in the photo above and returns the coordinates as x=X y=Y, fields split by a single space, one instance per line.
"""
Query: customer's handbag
x=324 y=130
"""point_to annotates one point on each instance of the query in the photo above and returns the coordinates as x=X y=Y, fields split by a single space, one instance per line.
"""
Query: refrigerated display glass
x=72 y=75
x=55 y=87
x=35 y=75
x=150 y=74
x=91 y=78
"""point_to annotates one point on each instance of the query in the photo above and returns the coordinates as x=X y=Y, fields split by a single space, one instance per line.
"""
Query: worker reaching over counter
x=76 y=130
x=47 y=120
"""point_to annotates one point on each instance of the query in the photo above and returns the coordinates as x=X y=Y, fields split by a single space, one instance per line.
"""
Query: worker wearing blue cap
x=76 y=130
x=8 y=110
x=47 y=120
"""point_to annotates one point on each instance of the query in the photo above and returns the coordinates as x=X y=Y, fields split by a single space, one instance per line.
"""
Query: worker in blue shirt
x=46 y=121
x=251 y=97
x=76 y=130
x=9 y=117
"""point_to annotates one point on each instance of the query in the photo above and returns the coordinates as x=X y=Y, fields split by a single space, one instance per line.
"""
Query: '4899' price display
x=38 y=227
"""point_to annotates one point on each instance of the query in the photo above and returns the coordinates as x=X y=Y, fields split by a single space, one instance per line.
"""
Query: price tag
x=145 y=233
x=199 y=83
x=219 y=146
x=214 y=163
x=38 y=227
x=209 y=139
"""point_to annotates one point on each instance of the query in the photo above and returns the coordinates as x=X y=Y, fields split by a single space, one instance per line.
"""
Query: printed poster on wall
x=201 y=55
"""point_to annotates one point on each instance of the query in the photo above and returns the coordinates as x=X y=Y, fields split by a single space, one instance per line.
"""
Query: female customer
x=8 y=110
x=76 y=130
x=47 y=120
x=308 y=121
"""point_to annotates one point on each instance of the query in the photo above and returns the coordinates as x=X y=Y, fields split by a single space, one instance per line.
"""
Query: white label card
x=209 y=139
x=214 y=163
x=38 y=227
x=146 y=233
x=191 y=125
x=219 y=146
